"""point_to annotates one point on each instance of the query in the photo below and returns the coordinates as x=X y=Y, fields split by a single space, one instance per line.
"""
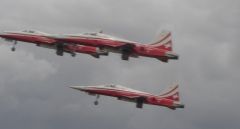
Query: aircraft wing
x=138 y=99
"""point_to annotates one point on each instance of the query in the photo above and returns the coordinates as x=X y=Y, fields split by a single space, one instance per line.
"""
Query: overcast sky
x=34 y=82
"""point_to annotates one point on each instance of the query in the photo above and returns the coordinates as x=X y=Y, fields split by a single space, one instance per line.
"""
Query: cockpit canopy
x=92 y=34
x=34 y=32
x=116 y=86
x=98 y=35
x=110 y=85
x=29 y=31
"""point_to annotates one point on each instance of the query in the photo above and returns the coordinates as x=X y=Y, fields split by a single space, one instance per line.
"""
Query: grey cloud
x=206 y=37
x=17 y=67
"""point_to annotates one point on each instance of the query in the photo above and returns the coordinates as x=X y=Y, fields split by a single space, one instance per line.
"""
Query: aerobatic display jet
x=43 y=40
x=169 y=98
x=160 y=49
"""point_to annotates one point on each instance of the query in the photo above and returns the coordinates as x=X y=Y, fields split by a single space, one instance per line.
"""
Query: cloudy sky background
x=34 y=82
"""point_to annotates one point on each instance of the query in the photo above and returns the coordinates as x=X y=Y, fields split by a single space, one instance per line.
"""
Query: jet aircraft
x=169 y=98
x=42 y=39
x=160 y=49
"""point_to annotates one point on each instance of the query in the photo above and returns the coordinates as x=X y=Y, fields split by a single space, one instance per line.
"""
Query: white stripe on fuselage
x=106 y=37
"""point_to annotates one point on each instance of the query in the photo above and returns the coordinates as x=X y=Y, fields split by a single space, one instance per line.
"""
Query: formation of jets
x=169 y=98
x=95 y=44
x=100 y=44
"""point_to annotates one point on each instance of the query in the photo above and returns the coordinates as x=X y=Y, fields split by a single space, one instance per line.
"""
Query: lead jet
x=160 y=49
x=169 y=98
x=42 y=39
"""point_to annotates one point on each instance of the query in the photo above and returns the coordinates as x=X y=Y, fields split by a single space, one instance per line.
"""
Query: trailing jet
x=160 y=49
x=169 y=98
x=43 y=40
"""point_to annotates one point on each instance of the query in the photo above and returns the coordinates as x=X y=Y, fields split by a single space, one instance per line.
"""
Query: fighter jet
x=42 y=39
x=161 y=49
x=169 y=98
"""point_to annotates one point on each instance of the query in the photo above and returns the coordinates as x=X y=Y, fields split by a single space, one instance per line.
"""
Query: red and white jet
x=160 y=49
x=169 y=98
x=43 y=40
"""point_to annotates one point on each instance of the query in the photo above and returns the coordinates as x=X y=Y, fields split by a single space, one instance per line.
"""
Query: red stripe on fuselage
x=97 y=42
x=96 y=89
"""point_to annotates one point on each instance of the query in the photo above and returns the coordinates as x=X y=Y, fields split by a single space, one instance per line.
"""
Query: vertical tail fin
x=171 y=93
x=164 y=41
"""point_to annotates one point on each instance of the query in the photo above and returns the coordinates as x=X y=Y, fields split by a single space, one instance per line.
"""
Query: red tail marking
x=164 y=42
x=172 y=94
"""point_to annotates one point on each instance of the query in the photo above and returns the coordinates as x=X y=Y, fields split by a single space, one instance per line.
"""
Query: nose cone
x=6 y=34
x=2 y=34
x=77 y=87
